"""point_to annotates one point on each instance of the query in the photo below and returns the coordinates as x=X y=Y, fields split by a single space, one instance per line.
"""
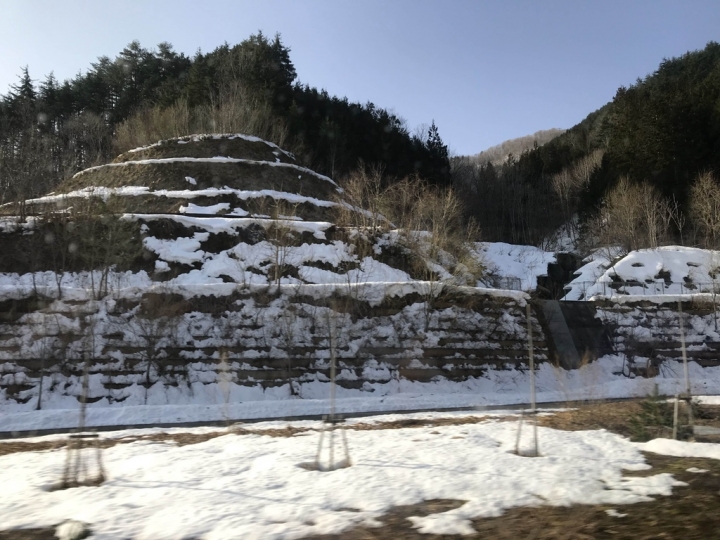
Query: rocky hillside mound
x=213 y=266
x=233 y=175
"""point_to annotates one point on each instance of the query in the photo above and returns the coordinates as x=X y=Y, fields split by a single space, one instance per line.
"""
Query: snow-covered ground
x=667 y=271
x=514 y=266
x=231 y=402
x=509 y=267
x=250 y=486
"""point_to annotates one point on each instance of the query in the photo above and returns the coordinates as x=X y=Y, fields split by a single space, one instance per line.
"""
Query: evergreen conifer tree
x=439 y=160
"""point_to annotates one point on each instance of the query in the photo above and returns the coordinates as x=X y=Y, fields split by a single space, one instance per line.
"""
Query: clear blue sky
x=485 y=71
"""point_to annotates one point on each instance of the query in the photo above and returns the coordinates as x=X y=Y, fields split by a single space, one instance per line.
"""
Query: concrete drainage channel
x=546 y=406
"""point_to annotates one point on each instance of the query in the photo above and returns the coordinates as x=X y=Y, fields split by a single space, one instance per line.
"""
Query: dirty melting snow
x=671 y=447
x=251 y=486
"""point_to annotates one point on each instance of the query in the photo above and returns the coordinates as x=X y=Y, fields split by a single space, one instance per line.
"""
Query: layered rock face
x=259 y=343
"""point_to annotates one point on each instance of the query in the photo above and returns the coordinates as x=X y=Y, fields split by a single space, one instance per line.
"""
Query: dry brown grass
x=616 y=417
x=207 y=147
x=12 y=447
x=613 y=416
x=182 y=439
x=430 y=422
x=171 y=175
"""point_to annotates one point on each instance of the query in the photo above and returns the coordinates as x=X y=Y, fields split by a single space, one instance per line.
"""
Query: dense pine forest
x=51 y=129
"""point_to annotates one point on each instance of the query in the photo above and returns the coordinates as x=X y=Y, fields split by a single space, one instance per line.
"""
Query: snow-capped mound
x=208 y=175
x=214 y=209
x=235 y=145
x=668 y=270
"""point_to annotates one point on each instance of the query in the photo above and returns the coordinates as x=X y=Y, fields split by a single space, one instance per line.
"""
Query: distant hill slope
x=664 y=130
x=498 y=154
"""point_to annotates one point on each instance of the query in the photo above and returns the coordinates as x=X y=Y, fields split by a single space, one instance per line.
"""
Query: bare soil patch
x=617 y=417
x=47 y=533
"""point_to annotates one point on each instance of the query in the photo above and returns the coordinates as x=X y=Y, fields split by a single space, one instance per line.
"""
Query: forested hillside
x=499 y=153
x=641 y=170
x=55 y=128
x=646 y=151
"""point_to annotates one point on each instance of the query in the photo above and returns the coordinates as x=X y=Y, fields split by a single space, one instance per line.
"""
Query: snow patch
x=211 y=210
x=250 y=486
x=513 y=263
x=181 y=250
x=670 y=447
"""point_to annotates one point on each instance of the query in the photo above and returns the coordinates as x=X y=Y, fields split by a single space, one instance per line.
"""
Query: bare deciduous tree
x=705 y=207
x=361 y=202
x=281 y=235
x=568 y=183
x=234 y=110
x=636 y=216
x=430 y=228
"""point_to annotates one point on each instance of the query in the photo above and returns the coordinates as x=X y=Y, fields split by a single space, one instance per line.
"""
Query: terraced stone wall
x=260 y=341
x=649 y=334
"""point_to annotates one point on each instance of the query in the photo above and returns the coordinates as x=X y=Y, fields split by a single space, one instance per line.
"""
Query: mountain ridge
x=498 y=153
